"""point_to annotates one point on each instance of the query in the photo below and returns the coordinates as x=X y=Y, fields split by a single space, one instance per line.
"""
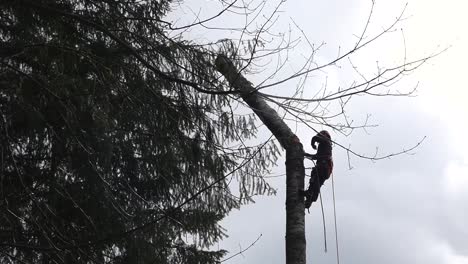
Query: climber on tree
x=323 y=168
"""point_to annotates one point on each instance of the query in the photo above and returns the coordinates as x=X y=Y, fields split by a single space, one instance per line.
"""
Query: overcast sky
x=408 y=209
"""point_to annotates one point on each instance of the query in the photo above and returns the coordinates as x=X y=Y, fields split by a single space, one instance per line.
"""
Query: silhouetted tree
x=120 y=138
x=115 y=145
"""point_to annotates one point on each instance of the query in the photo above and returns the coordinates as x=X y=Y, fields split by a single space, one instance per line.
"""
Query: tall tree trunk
x=295 y=229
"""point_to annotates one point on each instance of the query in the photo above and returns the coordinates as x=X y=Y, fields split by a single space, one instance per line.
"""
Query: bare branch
x=242 y=250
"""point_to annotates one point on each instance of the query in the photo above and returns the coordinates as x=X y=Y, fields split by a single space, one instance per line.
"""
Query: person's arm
x=318 y=139
x=310 y=156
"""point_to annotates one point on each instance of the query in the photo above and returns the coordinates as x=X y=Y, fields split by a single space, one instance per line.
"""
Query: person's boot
x=308 y=198
x=302 y=193
x=308 y=202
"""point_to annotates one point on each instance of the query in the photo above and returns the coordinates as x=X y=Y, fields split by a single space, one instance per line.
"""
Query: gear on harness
x=322 y=169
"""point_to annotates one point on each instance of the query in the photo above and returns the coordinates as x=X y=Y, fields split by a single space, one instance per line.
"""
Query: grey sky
x=408 y=209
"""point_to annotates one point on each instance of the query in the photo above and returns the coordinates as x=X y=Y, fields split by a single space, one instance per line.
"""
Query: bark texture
x=295 y=229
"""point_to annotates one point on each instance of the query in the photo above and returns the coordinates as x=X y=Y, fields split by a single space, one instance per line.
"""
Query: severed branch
x=242 y=250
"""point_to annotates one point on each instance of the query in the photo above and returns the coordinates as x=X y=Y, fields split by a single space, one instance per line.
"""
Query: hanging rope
x=334 y=215
x=324 y=227
x=323 y=216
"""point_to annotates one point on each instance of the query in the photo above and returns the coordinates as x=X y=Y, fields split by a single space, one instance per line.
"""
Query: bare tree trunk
x=295 y=229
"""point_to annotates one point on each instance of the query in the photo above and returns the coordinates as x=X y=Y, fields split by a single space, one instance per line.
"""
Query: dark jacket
x=324 y=151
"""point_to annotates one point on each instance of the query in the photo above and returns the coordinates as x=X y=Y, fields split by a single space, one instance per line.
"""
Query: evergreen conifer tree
x=118 y=142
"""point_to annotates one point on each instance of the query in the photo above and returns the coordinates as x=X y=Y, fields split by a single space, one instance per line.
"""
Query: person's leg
x=318 y=178
x=314 y=187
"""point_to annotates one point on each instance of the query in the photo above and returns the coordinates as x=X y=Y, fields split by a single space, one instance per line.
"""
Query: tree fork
x=295 y=227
